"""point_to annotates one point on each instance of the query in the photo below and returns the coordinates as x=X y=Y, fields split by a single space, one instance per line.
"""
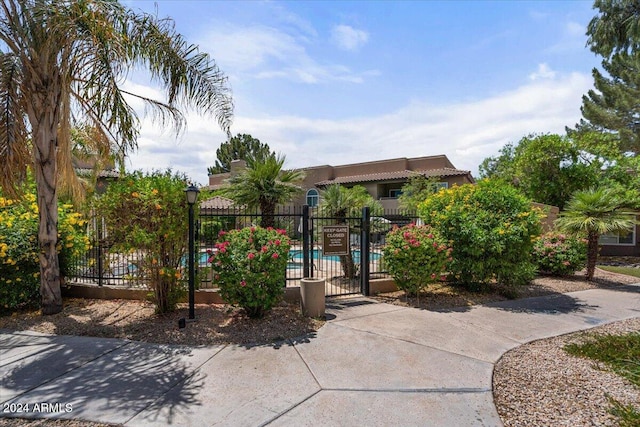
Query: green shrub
x=210 y=228
x=19 y=262
x=148 y=213
x=491 y=227
x=415 y=256
x=249 y=266
x=559 y=254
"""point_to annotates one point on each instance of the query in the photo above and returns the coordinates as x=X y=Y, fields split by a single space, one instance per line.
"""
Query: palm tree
x=63 y=64
x=595 y=212
x=340 y=203
x=264 y=184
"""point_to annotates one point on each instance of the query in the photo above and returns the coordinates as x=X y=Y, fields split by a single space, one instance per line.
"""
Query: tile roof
x=217 y=202
x=105 y=173
x=390 y=176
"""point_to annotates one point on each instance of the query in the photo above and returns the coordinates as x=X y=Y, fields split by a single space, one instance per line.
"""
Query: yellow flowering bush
x=148 y=213
x=19 y=261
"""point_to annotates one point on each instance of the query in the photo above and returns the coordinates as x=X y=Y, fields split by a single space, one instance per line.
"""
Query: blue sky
x=342 y=82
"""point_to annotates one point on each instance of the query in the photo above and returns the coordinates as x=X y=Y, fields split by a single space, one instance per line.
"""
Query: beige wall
x=377 y=189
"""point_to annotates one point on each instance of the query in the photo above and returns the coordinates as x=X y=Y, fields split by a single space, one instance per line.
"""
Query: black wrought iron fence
x=308 y=256
x=101 y=265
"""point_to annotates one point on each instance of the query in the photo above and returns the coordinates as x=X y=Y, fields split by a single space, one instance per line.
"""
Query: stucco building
x=383 y=179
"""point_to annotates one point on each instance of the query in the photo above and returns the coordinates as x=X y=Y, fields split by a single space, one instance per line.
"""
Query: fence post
x=305 y=242
x=99 y=262
x=364 y=250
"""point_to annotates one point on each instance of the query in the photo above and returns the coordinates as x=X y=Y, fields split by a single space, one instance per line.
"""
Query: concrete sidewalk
x=372 y=364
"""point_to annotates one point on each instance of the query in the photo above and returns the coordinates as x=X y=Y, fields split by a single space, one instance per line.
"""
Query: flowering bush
x=148 y=213
x=559 y=254
x=491 y=227
x=19 y=262
x=415 y=256
x=249 y=266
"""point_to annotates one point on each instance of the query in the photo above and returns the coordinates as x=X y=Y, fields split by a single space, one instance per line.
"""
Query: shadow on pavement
x=96 y=376
x=549 y=304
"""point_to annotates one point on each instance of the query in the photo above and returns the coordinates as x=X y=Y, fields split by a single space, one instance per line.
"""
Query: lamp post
x=192 y=196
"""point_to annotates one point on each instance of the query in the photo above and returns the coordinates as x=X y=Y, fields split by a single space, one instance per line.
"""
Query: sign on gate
x=335 y=240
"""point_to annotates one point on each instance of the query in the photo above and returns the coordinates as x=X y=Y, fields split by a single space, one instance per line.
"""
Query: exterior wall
x=551 y=213
x=426 y=163
x=456 y=180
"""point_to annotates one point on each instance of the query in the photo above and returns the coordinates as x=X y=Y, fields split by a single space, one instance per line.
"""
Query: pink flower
x=265 y=249
x=275 y=255
x=433 y=276
x=253 y=229
x=277 y=242
x=222 y=250
x=243 y=283
x=251 y=255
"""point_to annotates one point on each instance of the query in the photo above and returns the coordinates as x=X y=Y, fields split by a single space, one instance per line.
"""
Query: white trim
x=633 y=239
x=315 y=194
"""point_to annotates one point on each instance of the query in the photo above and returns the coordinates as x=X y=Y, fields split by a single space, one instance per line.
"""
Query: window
x=622 y=238
x=395 y=193
x=313 y=197
x=442 y=186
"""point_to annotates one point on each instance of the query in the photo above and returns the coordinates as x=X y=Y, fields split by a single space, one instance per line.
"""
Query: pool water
x=296 y=256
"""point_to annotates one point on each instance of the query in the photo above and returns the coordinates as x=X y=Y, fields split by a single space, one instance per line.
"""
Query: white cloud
x=572 y=39
x=348 y=38
x=575 y=29
x=543 y=72
x=466 y=132
x=265 y=52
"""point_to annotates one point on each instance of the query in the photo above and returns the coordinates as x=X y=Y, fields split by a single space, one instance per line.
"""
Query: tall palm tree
x=64 y=63
x=340 y=203
x=593 y=213
x=264 y=184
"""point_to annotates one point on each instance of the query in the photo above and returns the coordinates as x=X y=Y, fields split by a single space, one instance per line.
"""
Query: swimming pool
x=296 y=256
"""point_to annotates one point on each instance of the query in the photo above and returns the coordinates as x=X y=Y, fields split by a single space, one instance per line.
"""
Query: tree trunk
x=348 y=266
x=592 y=253
x=268 y=210
x=44 y=117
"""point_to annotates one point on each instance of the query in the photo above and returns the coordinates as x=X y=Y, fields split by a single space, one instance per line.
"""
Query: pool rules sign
x=335 y=240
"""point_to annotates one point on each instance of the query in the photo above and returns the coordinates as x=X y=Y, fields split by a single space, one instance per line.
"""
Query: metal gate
x=346 y=271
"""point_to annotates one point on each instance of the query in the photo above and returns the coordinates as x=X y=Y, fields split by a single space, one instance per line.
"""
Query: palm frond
x=15 y=155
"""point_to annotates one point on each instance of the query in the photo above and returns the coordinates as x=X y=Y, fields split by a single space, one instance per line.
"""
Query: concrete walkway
x=372 y=364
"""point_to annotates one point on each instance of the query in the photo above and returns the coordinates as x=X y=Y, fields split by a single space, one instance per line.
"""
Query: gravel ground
x=537 y=384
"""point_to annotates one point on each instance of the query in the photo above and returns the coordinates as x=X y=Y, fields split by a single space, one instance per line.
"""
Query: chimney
x=237 y=166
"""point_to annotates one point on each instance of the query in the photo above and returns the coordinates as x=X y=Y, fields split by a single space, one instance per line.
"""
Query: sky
x=334 y=82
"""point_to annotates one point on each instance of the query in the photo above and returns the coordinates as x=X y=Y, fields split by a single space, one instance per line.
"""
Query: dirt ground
x=136 y=320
